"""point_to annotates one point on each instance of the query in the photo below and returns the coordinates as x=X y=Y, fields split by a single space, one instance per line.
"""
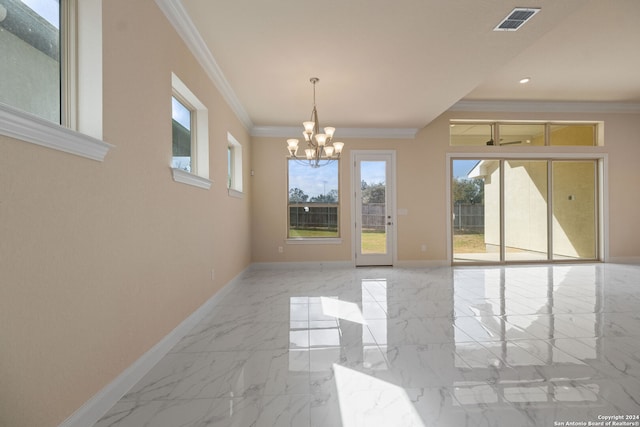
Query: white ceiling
x=400 y=64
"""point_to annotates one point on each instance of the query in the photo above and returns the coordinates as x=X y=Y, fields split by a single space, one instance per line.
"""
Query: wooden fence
x=468 y=218
x=314 y=216
x=325 y=216
x=373 y=216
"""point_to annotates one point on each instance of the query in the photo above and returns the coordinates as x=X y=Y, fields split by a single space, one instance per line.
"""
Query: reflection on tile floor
x=467 y=346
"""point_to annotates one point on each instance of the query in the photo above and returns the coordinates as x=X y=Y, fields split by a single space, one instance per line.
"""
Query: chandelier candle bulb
x=329 y=131
x=310 y=153
x=328 y=150
x=292 y=146
x=308 y=126
x=321 y=138
x=338 y=147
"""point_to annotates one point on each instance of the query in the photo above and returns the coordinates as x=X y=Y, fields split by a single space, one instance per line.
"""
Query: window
x=229 y=166
x=190 y=137
x=520 y=134
x=31 y=66
x=313 y=200
x=572 y=134
x=181 y=135
x=468 y=133
x=234 y=166
x=51 y=86
x=522 y=209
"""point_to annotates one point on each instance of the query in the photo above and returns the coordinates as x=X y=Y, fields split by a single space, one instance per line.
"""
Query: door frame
x=391 y=210
x=602 y=197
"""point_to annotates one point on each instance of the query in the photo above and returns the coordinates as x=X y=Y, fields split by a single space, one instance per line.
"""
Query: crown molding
x=179 y=18
x=546 y=107
x=371 y=133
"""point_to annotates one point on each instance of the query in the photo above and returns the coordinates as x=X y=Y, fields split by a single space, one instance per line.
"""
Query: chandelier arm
x=314 y=163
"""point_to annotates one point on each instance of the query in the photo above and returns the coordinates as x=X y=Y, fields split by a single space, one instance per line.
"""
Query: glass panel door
x=522 y=210
x=525 y=210
x=574 y=209
x=475 y=189
x=374 y=213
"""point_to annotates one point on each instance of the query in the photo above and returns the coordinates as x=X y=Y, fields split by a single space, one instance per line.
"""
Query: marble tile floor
x=541 y=345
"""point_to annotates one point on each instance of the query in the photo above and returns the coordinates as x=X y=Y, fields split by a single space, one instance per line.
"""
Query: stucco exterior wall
x=34 y=85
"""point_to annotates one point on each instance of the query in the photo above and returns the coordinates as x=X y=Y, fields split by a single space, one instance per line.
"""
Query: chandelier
x=321 y=148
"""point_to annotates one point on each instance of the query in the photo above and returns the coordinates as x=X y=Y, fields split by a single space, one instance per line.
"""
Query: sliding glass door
x=524 y=210
x=476 y=201
x=575 y=209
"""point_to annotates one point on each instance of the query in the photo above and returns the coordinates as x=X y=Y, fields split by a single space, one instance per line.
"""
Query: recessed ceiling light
x=525 y=80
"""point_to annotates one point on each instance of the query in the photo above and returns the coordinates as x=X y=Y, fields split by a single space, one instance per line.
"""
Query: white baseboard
x=341 y=264
x=423 y=263
x=300 y=265
x=95 y=408
x=624 y=260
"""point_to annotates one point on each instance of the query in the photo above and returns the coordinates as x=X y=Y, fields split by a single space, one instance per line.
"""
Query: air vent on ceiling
x=516 y=18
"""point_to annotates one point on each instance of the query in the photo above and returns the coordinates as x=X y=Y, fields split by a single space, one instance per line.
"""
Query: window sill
x=235 y=193
x=314 y=241
x=185 y=177
x=29 y=128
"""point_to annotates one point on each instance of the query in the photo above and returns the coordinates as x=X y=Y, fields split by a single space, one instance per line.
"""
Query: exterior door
x=374 y=207
x=520 y=209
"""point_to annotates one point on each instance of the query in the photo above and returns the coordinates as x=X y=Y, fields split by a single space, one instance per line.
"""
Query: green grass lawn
x=468 y=243
x=312 y=233
x=375 y=243
x=372 y=243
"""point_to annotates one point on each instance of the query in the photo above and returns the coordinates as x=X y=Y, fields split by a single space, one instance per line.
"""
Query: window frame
x=80 y=133
x=314 y=240
x=602 y=205
x=192 y=137
x=199 y=175
x=234 y=167
x=598 y=131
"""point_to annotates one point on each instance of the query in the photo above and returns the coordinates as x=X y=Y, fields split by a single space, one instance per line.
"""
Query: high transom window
x=512 y=134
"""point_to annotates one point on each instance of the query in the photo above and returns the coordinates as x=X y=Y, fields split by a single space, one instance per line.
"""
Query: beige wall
x=100 y=261
x=415 y=170
x=422 y=183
